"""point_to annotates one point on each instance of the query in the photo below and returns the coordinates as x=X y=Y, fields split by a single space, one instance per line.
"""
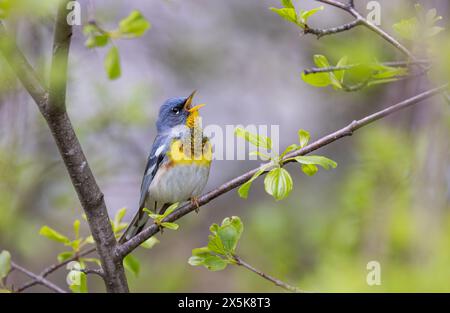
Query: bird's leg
x=194 y=201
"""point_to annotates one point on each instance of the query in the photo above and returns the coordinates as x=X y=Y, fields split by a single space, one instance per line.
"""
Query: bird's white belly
x=178 y=183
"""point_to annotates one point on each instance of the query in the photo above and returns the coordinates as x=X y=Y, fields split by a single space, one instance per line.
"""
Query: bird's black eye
x=176 y=110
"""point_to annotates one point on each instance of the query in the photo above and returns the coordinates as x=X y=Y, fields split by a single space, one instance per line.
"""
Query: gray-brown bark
x=52 y=105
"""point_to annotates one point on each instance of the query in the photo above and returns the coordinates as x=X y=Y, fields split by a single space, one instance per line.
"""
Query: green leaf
x=262 y=156
x=89 y=239
x=245 y=188
x=210 y=261
x=278 y=183
x=76 y=279
x=90 y=29
x=117 y=224
x=76 y=228
x=322 y=79
x=215 y=244
x=407 y=28
x=97 y=41
x=203 y=251
x=75 y=244
x=433 y=31
x=289 y=149
x=214 y=263
x=306 y=14
x=317 y=79
x=254 y=139
x=228 y=235
x=5 y=263
x=340 y=74
x=309 y=169
x=170 y=209
x=321 y=61
x=326 y=163
x=168 y=225
x=120 y=214
x=381 y=71
x=196 y=260
x=431 y=17
x=4 y=290
x=150 y=242
x=288 y=14
x=287 y=3
x=53 y=235
x=132 y=264
x=81 y=282
x=134 y=25
x=112 y=63
x=230 y=232
x=222 y=241
x=63 y=256
x=152 y=215
x=303 y=137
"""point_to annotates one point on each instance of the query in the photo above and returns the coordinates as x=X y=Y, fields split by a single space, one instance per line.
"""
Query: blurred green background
x=387 y=201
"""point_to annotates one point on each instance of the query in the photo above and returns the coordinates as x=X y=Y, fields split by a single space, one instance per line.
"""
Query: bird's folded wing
x=157 y=155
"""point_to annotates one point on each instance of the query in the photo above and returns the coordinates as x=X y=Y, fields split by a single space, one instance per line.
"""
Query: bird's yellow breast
x=189 y=152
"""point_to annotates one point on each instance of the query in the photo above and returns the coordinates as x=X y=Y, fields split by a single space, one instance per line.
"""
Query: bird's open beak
x=188 y=104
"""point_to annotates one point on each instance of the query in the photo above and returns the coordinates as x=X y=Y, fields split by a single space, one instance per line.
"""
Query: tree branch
x=274 y=280
x=315 y=70
x=133 y=243
x=360 y=20
x=52 y=105
x=39 y=279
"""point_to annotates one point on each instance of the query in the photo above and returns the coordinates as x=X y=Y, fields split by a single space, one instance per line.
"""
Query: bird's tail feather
x=136 y=225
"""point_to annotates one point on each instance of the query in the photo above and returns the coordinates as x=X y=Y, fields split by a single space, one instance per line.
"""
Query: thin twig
x=274 y=280
x=133 y=243
x=50 y=269
x=360 y=20
x=336 y=4
x=315 y=70
x=95 y=271
x=39 y=279
x=333 y=30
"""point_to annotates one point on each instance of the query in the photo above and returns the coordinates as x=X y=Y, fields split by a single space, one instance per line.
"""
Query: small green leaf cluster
x=420 y=27
x=5 y=268
x=77 y=278
x=278 y=182
x=222 y=243
x=289 y=13
x=158 y=218
x=76 y=244
x=133 y=26
x=369 y=73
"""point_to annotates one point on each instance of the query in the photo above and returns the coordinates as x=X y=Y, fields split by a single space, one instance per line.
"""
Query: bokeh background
x=388 y=200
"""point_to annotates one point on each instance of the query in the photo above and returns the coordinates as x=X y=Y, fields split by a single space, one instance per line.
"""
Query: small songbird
x=178 y=165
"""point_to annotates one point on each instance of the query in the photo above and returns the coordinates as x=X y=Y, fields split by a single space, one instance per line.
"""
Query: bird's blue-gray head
x=175 y=112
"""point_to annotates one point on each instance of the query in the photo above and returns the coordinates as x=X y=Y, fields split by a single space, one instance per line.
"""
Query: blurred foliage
x=321 y=237
x=133 y=26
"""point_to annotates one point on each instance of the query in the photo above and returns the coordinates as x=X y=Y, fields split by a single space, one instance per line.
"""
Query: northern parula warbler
x=178 y=165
